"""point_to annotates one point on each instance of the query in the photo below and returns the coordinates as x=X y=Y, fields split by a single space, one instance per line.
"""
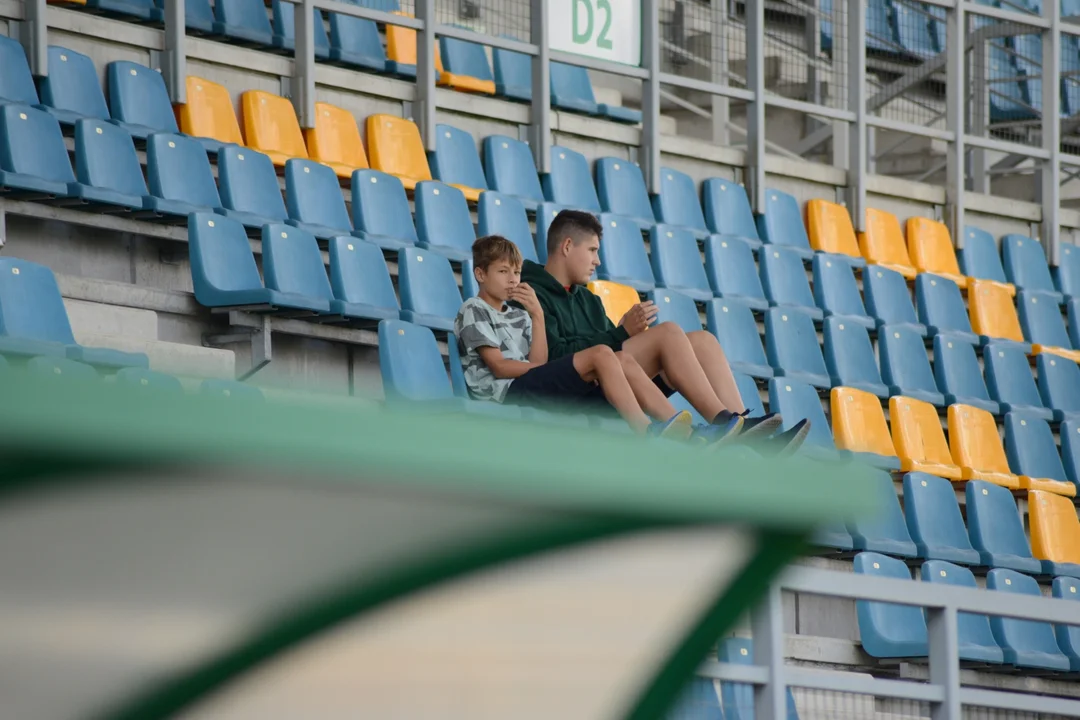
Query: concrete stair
x=169 y=357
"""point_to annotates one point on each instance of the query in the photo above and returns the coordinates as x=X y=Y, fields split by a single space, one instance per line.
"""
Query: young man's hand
x=526 y=297
x=638 y=318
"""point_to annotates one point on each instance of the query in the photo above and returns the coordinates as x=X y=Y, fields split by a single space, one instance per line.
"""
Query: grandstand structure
x=880 y=233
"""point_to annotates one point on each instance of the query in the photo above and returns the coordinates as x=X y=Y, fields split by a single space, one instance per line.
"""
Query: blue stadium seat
x=144 y=10
x=934 y=520
x=748 y=393
x=138 y=99
x=1010 y=382
x=571 y=89
x=883 y=531
x=904 y=365
x=510 y=169
x=622 y=254
x=1068 y=636
x=698 y=701
x=913 y=29
x=785 y=283
x=249 y=187
x=1073 y=321
x=513 y=74
x=284 y=37
x=888 y=630
x=61 y=369
x=941 y=308
x=443 y=222
x=232 y=391
x=16 y=82
x=995 y=528
x=888 y=299
x=313 y=197
x=1026 y=266
x=504 y=215
x=976 y=639
x=1040 y=319
x=107 y=170
x=149 y=381
x=979 y=258
x=837 y=293
x=792 y=347
x=734 y=326
x=292 y=265
x=462 y=57
x=198 y=16
x=1009 y=97
x=381 y=211
x=621 y=189
x=782 y=223
x=796 y=401
x=729 y=265
x=1069 y=433
x=1027 y=643
x=738 y=698
x=1067 y=274
x=678 y=203
x=881 y=33
x=33 y=158
x=727 y=211
x=1059 y=385
x=1033 y=455
x=411 y=365
x=545 y=213
x=956 y=368
x=355 y=42
x=71 y=89
x=244 y=21
x=850 y=359
x=360 y=281
x=570 y=182
x=455 y=160
x=676 y=262
x=673 y=306
x=181 y=181
x=429 y=292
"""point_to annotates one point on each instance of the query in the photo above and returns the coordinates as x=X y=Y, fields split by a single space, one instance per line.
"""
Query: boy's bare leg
x=652 y=401
x=713 y=361
x=600 y=364
x=665 y=347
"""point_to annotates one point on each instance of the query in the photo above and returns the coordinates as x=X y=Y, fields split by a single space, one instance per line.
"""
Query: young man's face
x=499 y=279
x=582 y=259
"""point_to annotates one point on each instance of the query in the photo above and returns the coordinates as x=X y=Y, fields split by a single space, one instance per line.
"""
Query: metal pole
x=980 y=114
x=955 y=90
x=175 y=58
x=941 y=624
x=1051 y=133
x=303 y=90
x=650 y=93
x=857 y=137
x=755 y=110
x=841 y=133
x=541 y=88
x=425 y=72
x=721 y=107
x=36 y=37
x=767 y=625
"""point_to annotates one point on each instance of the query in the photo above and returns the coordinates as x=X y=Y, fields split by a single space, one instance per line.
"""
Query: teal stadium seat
x=1069 y=433
x=976 y=639
x=429 y=292
x=785 y=283
x=979 y=258
x=355 y=42
x=889 y=630
x=934 y=520
x=455 y=160
x=888 y=299
x=678 y=203
x=698 y=701
x=904 y=365
x=504 y=215
x=143 y=10
x=621 y=189
x=411 y=365
x=545 y=213
x=837 y=293
x=33 y=158
x=231 y=391
x=61 y=369
x=782 y=223
x=443 y=222
x=244 y=21
x=570 y=182
x=513 y=74
x=462 y=57
x=732 y=273
x=314 y=200
x=1059 y=385
x=1027 y=643
x=1072 y=321
x=797 y=401
x=138 y=100
x=792 y=347
x=734 y=326
x=1031 y=449
x=676 y=262
x=956 y=369
x=510 y=169
x=849 y=357
x=1010 y=382
x=284 y=28
x=1026 y=266
x=727 y=211
x=360 y=280
x=674 y=306
x=941 y=308
x=913 y=29
x=292 y=265
x=108 y=175
x=181 y=181
x=738 y=698
x=622 y=254
x=1068 y=636
x=149 y=381
x=883 y=531
x=1040 y=320
x=16 y=82
x=748 y=393
x=995 y=528
x=1067 y=274
x=198 y=16
x=380 y=210
x=71 y=90
x=881 y=33
x=248 y=185
x=572 y=90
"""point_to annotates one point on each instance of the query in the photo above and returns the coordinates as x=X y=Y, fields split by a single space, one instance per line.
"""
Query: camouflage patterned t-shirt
x=479 y=325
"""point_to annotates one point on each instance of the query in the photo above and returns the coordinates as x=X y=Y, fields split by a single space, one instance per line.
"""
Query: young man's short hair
x=493 y=248
x=574 y=224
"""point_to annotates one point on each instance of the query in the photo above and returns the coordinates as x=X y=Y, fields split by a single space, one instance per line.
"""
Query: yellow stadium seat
x=883 y=243
x=919 y=438
x=830 y=228
x=977 y=448
x=271 y=127
x=993 y=312
x=395 y=147
x=335 y=140
x=858 y=422
x=1055 y=530
x=209 y=112
x=932 y=250
x=401 y=49
x=617 y=299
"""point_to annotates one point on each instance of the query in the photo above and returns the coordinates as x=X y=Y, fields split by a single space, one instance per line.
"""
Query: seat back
x=221 y=258
x=883 y=242
x=622 y=254
x=285 y=27
x=381 y=207
x=677 y=203
x=243 y=17
x=1030 y=447
x=442 y=217
x=292 y=262
x=1067 y=273
x=72 y=84
x=1068 y=636
x=933 y=514
x=1055 y=530
x=748 y=393
x=545 y=215
x=16 y=82
x=616 y=298
x=313 y=195
x=791 y=342
x=179 y=170
x=697 y=701
x=784 y=278
x=979 y=258
x=1059 y=383
x=105 y=158
x=31 y=143
x=208 y=112
x=940 y=304
x=994 y=525
x=335 y=139
x=270 y=125
x=621 y=189
x=972 y=628
x=885 y=529
x=782 y=223
x=676 y=260
x=993 y=313
x=570 y=182
x=738 y=698
x=849 y=354
x=1008 y=376
x=426 y=283
x=1021 y=635
x=571 y=88
x=675 y=307
x=830 y=229
x=410 y=362
x=956 y=369
x=513 y=73
x=394 y=146
x=727 y=209
x=504 y=215
x=509 y=168
x=730 y=268
x=888 y=629
x=358 y=40
x=249 y=184
x=735 y=328
x=1025 y=263
x=358 y=273
x=974 y=440
x=61 y=369
x=462 y=57
x=1040 y=320
x=401 y=46
x=917 y=432
x=914 y=30
x=796 y=401
x=138 y=96
x=457 y=371
x=1069 y=433
x=30 y=303
x=149 y=381
x=835 y=289
x=931 y=246
x=456 y=160
x=903 y=360
x=858 y=422
x=887 y=297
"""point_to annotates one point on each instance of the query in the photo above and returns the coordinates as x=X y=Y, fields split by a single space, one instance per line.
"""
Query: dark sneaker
x=760 y=428
x=721 y=431
x=679 y=427
x=788 y=442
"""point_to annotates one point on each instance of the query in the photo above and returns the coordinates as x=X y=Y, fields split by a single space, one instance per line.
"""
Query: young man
x=691 y=363
x=504 y=352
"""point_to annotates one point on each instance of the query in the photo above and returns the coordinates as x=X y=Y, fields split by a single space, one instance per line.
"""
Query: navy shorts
x=557 y=383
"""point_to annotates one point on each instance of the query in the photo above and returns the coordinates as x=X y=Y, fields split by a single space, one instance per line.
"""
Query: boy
x=504 y=352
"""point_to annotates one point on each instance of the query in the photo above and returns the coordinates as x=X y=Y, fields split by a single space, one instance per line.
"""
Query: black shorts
x=557 y=384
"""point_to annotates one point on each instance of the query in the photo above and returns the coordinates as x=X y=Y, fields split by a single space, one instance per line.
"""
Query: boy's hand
x=526 y=297
x=638 y=318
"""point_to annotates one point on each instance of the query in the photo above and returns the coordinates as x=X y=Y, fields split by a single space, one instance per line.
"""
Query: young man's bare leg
x=652 y=401
x=600 y=364
x=713 y=361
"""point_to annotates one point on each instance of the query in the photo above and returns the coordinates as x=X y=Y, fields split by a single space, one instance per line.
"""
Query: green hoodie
x=575 y=320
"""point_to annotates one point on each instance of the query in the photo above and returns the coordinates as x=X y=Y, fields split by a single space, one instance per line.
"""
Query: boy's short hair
x=573 y=224
x=492 y=248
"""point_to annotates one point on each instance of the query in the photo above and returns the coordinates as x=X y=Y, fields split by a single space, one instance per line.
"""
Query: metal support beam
x=980 y=117
x=650 y=93
x=36 y=37
x=257 y=334
x=858 y=151
x=174 y=59
x=303 y=89
x=721 y=106
x=541 y=87
x=841 y=131
x=755 y=110
x=955 y=92
x=944 y=661
x=1049 y=185
x=425 y=73
x=767 y=623
x=3 y=227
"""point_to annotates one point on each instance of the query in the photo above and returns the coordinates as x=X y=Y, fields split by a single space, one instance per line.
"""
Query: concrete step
x=172 y=358
x=91 y=318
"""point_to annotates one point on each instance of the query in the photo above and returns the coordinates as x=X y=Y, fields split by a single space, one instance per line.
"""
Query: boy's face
x=498 y=279
x=582 y=259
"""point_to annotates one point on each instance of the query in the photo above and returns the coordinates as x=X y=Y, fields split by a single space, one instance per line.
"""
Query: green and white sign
x=603 y=29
